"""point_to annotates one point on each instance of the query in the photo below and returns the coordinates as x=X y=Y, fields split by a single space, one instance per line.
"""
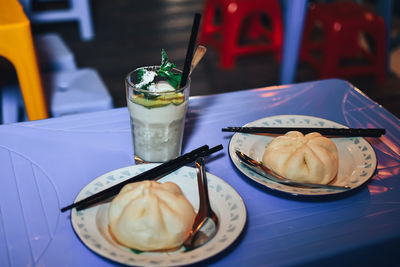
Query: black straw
x=190 y=50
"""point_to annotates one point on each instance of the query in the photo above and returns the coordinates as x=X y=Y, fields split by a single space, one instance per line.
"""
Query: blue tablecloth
x=44 y=164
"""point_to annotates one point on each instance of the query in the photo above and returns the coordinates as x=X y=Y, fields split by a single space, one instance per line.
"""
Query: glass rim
x=132 y=85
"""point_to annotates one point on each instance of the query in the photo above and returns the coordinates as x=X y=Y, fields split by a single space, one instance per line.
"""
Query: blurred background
x=129 y=34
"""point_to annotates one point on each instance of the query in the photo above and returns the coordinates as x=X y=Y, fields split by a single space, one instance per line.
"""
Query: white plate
x=91 y=225
x=357 y=159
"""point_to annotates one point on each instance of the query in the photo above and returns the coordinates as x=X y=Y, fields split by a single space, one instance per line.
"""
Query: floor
x=130 y=34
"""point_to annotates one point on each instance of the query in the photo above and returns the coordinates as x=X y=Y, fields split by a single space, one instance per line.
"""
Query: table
x=45 y=163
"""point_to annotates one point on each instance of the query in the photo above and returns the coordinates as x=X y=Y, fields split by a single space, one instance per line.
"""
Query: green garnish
x=165 y=71
x=152 y=99
x=136 y=251
x=140 y=74
x=165 y=64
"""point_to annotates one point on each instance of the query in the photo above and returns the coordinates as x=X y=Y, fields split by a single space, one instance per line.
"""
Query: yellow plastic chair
x=16 y=45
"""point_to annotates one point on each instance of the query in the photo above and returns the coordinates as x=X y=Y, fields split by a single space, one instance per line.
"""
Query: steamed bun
x=308 y=158
x=150 y=216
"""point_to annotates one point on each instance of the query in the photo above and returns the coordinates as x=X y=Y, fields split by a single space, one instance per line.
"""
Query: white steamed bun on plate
x=150 y=216
x=310 y=158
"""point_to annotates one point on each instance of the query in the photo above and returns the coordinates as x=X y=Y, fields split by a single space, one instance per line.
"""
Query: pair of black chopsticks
x=343 y=132
x=152 y=174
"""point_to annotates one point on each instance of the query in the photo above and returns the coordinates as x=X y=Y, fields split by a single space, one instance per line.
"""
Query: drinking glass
x=157 y=118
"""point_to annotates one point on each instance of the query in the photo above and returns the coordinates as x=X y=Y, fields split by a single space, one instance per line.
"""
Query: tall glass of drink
x=157 y=108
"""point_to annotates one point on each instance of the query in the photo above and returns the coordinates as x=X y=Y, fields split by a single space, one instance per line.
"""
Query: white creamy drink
x=157 y=132
x=157 y=107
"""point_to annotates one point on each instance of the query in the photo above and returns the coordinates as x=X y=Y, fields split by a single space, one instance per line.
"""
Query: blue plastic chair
x=10 y=103
x=70 y=90
x=53 y=54
x=76 y=91
x=79 y=10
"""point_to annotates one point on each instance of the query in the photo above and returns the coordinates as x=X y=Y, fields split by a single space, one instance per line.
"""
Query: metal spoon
x=265 y=172
x=206 y=223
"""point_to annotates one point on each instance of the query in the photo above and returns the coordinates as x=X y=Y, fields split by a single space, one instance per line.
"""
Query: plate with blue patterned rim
x=91 y=225
x=357 y=159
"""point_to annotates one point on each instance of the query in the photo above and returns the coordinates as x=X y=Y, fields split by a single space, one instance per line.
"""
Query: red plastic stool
x=345 y=26
x=225 y=35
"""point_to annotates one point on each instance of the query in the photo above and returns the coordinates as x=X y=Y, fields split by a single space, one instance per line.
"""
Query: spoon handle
x=206 y=223
x=203 y=194
x=203 y=208
x=267 y=173
x=198 y=55
x=205 y=197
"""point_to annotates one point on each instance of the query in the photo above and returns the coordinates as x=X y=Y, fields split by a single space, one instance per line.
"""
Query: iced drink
x=157 y=113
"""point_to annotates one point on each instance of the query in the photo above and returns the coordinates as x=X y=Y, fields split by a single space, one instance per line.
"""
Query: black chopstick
x=344 y=132
x=150 y=174
x=154 y=173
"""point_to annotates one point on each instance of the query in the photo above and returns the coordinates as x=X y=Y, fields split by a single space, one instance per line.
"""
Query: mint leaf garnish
x=140 y=74
x=136 y=251
x=165 y=71
x=174 y=79
x=165 y=64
